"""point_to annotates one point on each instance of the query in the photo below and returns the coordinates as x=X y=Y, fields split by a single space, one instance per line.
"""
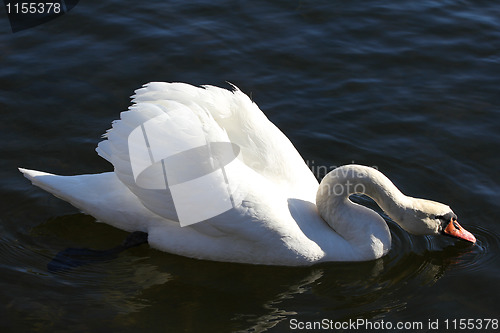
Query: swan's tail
x=41 y=179
x=100 y=195
x=77 y=190
x=51 y=183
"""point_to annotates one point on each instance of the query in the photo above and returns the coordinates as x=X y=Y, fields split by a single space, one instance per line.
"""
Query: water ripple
x=482 y=256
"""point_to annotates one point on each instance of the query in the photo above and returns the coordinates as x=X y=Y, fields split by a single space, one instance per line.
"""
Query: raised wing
x=177 y=143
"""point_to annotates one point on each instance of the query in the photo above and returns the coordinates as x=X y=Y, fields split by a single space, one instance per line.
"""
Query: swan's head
x=427 y=217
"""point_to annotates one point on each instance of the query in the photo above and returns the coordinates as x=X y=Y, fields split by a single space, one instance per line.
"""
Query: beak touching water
x=456 y=230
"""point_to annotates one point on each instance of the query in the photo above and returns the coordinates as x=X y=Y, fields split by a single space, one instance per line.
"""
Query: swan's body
x=274 y=218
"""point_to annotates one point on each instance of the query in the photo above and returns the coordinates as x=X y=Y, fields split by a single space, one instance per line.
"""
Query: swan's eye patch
x=447 y=217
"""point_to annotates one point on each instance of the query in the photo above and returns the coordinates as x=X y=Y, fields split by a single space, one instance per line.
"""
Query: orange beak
x=456 y=230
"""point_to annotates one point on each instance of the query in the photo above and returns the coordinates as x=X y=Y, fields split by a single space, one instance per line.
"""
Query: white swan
x=278 y=213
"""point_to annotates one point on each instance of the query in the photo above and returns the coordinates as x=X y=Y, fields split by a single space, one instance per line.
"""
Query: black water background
x=408 y=87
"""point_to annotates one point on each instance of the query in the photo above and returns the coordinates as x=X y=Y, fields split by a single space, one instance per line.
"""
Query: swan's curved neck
x=357 y=224
x=344 y=181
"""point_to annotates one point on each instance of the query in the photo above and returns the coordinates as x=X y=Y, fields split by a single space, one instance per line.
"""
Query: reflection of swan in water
x=141 y=284
x=387 y=288
x=277 y=213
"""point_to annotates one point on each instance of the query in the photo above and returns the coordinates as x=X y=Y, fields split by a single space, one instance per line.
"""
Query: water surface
x=409 y=87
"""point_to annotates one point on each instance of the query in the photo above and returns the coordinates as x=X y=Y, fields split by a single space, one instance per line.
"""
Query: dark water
x=411 y=87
